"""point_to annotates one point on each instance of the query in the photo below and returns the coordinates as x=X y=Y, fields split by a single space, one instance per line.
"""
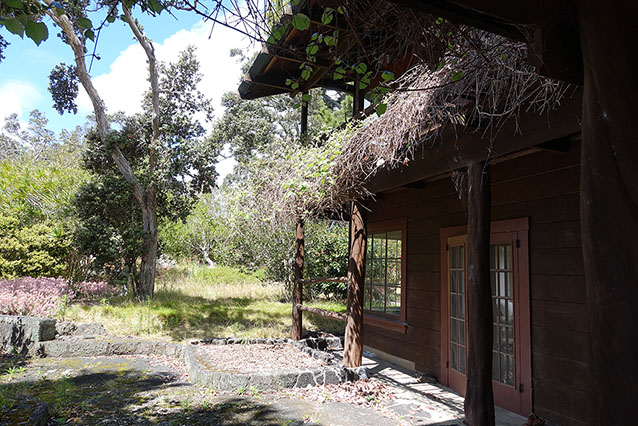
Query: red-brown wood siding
x=542 y=186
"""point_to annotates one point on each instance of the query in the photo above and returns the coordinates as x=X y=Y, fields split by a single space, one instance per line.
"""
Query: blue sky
x=120 y=75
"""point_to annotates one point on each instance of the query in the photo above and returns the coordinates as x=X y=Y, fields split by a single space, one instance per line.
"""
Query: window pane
x=378 y=250
x=454 y=357
x=453 y=304
x=508 y=256
x=378 y=298
x=461 y=281
x=383 y=272
x=495 y=372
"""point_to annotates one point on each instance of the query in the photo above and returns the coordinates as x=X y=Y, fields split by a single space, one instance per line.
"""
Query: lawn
x=197 y=302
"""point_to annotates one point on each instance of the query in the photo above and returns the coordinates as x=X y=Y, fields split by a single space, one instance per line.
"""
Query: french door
x=511 y=369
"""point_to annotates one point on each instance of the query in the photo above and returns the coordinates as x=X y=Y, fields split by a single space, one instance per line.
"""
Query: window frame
x=517 y=232
x=395 y=323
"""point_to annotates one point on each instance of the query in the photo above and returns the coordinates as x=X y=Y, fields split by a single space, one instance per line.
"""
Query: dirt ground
x=150 y=390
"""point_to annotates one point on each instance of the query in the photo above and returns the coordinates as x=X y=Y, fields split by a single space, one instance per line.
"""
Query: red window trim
x=376 y=319
x=520 y=230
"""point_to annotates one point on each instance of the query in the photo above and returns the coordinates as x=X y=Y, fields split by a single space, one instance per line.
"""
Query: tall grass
x=194 y=302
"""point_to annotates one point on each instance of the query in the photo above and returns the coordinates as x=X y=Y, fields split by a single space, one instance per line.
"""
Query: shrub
x=40 y=249
x=44 y=296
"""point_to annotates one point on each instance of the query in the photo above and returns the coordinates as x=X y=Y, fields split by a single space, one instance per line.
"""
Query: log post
x=297 y=292
x=304 y=120
x=353 y=345
x=479 y=399
x=609 y=207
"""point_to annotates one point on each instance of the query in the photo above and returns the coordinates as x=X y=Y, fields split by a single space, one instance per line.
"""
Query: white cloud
x=123 y=86
x=18 y=97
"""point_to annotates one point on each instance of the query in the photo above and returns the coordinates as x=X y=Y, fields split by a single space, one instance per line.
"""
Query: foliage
x=63 y=86
x=32 y=190
x=45 y=296
x=326 y=249
x=110 y=228
x=40 y=249
x=193 y=301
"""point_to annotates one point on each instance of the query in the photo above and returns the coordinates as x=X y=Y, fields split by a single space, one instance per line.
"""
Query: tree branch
x=153 y=75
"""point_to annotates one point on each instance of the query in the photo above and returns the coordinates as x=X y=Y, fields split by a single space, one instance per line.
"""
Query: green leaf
x=155 y=6
x=327 y=17
x=387 y=75
x=306 y=97
x=312 y=49
x=440 y=65
x=278 y=33
x=294 y=85
x=381 y=108
x=37 y=31
x=383 y=90
x=295 y=2
x=89 y=34
x=329 y=40
x=301 y=22
x=296 y=105
x=14 y=26
x=439 y=21
x=288 y=82
x=457 y=76
x=110 y=19
x=16 y=4
x=85 y=23
x=362 y=85
x=361 y=68
x=305 y=74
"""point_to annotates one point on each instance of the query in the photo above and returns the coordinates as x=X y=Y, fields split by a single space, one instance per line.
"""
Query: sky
x=120 y=76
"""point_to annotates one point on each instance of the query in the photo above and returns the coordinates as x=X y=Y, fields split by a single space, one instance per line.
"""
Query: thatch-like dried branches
x=482 y=82
x=457 y=76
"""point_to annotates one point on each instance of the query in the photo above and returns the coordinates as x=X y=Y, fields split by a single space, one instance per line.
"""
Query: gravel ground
x=254 y=358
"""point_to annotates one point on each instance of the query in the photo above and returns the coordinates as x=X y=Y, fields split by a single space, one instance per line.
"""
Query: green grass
x=196 y=302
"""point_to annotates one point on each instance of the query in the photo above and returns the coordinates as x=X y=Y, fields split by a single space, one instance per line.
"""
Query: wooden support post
x=357 y=98
x=297 y=293
x=304 y=120
x=609 y=207
x=479 y=399
x=353 y=345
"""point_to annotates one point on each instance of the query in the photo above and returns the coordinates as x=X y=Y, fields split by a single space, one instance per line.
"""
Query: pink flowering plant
x=45 y=296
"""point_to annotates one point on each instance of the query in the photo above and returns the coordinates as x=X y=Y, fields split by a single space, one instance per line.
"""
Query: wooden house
x=544 y=241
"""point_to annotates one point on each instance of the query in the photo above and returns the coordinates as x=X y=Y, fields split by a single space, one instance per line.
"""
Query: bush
x=41 y=249
x=44 y=296
x=326 y=249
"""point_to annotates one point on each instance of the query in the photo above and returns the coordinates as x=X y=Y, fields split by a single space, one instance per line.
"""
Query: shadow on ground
x=119 y=394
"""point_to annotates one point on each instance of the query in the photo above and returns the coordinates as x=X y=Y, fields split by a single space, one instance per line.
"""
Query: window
x=384 y=289
x=511 y=354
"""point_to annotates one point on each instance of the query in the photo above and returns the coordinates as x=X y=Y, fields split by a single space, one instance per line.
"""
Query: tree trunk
x=479 y=399
x=146 y=287
x=297 y=293
x=353 y=345
x=146 y=198
x=609 y=206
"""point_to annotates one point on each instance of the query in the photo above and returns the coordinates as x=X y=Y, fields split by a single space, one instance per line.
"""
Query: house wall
x=542 y=186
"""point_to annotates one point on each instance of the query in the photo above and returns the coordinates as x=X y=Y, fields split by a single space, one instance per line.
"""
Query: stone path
x=418 y=403
x=140 y=390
